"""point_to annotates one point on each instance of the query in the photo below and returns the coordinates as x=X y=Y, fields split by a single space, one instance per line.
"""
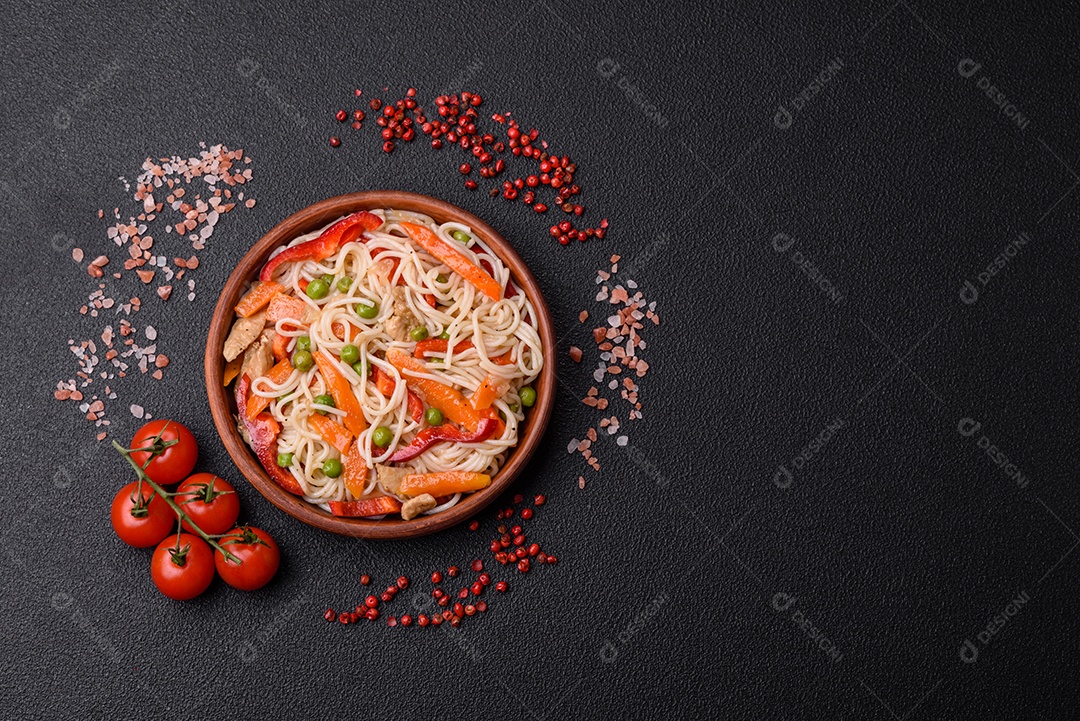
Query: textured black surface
x=899 y=540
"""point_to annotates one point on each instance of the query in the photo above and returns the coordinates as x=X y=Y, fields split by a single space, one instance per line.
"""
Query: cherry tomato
x=259 y=553
x=144 y=526
x=185 y=574
x=169 y=465
x=214 y=517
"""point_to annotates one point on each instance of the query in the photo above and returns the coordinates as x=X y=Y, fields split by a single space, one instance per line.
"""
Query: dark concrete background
x=709 y=594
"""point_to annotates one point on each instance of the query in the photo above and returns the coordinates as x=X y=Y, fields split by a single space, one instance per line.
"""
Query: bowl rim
x=222 y=403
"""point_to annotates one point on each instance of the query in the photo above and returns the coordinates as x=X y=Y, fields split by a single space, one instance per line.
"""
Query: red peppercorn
x=534 y=549
x=552 y=560
x=477 y=565
x=372 y=614
x=406 y=620
x=477 y=588
x=541 y=558
x=484 y=579
x=375 y=104
x=436 y=620
x=453 y=571
x=510 y=194
x=500 y=165
x=386 y=597
x=520 y=552
x=578 y=210
x=438 y=593
x=335 y=141
x=436 y=577
x=371 y=602
x=554 y=230
x=463 y=593
x=391 y=621
x=515 y=531
x=422 y=620
x=519 y=539
x=402 y=583
x=473 y=525
x=501 y=587
x=344 y=618
x=539 y=208
x=365 y=579
x=330 y=615
x=459 y=610
x=470 y=610
x=444 y=601
x=563 y=239
x=341 y=116
x=387 y=133
x=436 y=144
x=358 y=92
x=523 y=565
x=356 y=125
x=501 y=557
x=494 y=547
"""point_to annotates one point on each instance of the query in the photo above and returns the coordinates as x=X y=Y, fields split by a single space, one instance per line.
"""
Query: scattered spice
x=507 y=548
x=188 y=196
x=456 y=120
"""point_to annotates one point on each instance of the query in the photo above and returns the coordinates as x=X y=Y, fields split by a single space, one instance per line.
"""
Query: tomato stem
x=167 y=497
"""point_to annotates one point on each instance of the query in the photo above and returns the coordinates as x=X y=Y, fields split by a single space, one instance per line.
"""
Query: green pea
x=440 y=278
x=513 y=407
x=329 y=278
x=368 y=311
x=418 y=333
x=350 y=354
x=303 y=343
x=444 y=336
x=527 y=396
x=284 y=460
x=344 y=283
x=382 y=436
x=332 y=467
x=461 y=236
x=317 y=289
x=324 y=400
x=302 y=360
x=433 y=416
x=361 y=370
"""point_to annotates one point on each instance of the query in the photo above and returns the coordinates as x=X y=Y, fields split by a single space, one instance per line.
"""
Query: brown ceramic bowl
x=223 y=405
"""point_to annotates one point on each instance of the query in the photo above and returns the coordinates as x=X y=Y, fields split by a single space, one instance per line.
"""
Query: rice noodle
x=494 y=327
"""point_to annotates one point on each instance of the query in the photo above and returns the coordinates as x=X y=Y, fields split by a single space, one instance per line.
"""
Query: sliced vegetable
x=263 y=431
x=257 y=298
x=232 y=369
x=333 y=433
x=285 y=306
x=445 y=483
x=437 y=434
x=386 y=385
x=453 y=259
x=369 y=507
x=490 y=389
x=280 y=347
x=344 y=231
x=448 y=400
x=356 y=470
x=342 y=391
x=277 y=375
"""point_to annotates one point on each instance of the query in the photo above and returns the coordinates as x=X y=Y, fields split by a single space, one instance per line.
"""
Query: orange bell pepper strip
x=449 y=401
x=452 y=258
x=333 y=433
x=277 y=375
x=342 y=391
x=285 y=306
x=232 y=369
x=329 y=242
x=490 y=389
x=368 y=507
x=257 y=298
x=355 y=470
x=280 y=347
x=445 y=483
x=386 y=385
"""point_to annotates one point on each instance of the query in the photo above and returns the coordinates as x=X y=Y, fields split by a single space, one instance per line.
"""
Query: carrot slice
x=232 y=369
x=285 y=306
x=277 y=375
x=367 y=507
x=448 y=400
x=257 y=298
x=491 y=388
x=356 y=471
x=452 y=258
x=333 y=433
x=342 y=391
x=445 y=483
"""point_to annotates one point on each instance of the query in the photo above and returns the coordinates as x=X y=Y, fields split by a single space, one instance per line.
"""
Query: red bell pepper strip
x=344 y=231
x=437 y=434
x=263 y=430
x=367 y=507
